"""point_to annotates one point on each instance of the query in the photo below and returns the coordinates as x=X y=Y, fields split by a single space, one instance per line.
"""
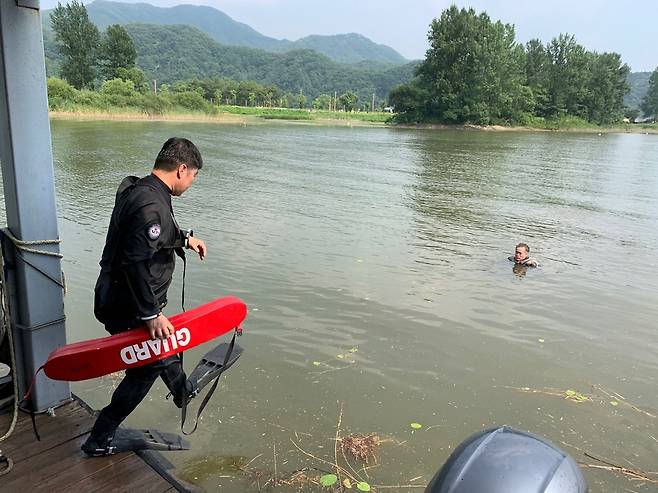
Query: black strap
x=39 y=269
x=182 y=296
x=206 y=399
x=26 y=401
x=34 y=424
x=181 y=253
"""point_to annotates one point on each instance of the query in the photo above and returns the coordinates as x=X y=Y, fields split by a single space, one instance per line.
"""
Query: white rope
x=21 y=245
x=24 y=245
x=5 y=322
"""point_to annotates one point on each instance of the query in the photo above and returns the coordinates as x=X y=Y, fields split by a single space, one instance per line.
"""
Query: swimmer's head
x=521 y=252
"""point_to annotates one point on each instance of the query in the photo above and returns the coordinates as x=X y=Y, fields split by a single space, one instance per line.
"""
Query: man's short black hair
x=177 y=151
x=524 y=245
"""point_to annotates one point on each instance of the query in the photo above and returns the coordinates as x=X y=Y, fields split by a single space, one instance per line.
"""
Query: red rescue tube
x=133 y=348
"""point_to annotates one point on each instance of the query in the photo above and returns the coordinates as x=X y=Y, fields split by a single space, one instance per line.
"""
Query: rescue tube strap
x=207 y=397
x=31 y=409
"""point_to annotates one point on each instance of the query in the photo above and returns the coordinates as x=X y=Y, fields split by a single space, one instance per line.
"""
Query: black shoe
x=97 y=447
x=210 y=366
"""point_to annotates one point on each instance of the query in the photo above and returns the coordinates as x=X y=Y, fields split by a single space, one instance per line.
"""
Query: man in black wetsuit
x=136 y=270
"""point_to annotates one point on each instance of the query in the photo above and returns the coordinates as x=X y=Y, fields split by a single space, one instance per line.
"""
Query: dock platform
x=56 y=463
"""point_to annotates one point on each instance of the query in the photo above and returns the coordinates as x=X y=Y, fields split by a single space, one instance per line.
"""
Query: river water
x=374 y=265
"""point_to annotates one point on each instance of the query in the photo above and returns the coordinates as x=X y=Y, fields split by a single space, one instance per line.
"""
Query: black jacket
x=138 y=259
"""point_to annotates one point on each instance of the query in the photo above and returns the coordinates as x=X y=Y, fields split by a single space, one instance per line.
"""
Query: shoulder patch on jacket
x=154 y=231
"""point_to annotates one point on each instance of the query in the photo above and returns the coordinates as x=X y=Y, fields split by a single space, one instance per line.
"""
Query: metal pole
x=28 y=177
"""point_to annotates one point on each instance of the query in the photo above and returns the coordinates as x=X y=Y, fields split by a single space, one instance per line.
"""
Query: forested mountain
x=175 y=53
x=343 y=48
x=348 y=48
x=639 y=84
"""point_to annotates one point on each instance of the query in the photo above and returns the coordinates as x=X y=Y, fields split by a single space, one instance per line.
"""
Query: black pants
x=134 y=387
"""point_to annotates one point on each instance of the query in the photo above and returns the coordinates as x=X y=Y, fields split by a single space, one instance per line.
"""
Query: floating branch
x=632 y=473
x=622 y=400
x=568 y=394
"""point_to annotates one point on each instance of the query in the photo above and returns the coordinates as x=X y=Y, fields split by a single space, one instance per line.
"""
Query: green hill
x=174 y=53
x=348 y=48
x=343 y=48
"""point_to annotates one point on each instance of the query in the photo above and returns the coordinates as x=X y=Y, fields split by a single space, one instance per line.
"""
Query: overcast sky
x=628 y=28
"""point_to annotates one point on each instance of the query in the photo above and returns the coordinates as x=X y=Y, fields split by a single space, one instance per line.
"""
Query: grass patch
x=562 y=123
x=304 y=114
x=287 y=117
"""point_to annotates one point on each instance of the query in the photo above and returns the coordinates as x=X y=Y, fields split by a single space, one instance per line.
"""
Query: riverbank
x=231 y=115
x=626 y=128
x=254 y=116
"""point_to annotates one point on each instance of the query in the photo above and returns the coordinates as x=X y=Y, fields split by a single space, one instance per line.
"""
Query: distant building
x=389 y=109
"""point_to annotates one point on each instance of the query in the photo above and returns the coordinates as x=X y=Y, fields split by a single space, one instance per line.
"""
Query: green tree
x=117 y=51
x=118 y=87
x=60 y=93
x=537 y=70
x=473 y=71
x=649 y=104
x=409 y=102
x=119 y=92
x=301 y=100
x=568 y=77
x=322 y=102
x=348 y=101
x=606 y=88
x=135 y=75
x=77 y=41
x=190 y=100
x=247 y=91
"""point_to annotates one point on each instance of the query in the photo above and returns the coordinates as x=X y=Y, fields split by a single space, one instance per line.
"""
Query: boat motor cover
x=506 y=460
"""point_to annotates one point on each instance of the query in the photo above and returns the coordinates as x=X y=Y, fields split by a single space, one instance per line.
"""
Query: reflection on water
x=374 y=263
x=520 y=270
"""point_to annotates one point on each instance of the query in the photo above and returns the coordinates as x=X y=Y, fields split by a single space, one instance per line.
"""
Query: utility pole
x=155 y=86
x=373 y=103
x=335 y=100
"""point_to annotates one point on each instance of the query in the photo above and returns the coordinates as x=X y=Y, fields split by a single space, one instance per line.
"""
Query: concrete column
x=28 y=176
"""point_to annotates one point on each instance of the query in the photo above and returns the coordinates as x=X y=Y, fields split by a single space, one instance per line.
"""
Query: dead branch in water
x=579 y=397
x=633 y=473
x=621 y=399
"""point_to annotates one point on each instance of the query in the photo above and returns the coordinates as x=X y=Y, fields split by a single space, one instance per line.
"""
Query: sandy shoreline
x=234 y=119
x=221 y=118
x=82 y=115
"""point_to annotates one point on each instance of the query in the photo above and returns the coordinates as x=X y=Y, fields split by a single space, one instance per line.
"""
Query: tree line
x=130 y=90
x=476 y=72
x=88 y=59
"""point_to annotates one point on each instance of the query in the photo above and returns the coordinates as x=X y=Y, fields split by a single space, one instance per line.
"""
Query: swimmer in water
x=522 y=256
